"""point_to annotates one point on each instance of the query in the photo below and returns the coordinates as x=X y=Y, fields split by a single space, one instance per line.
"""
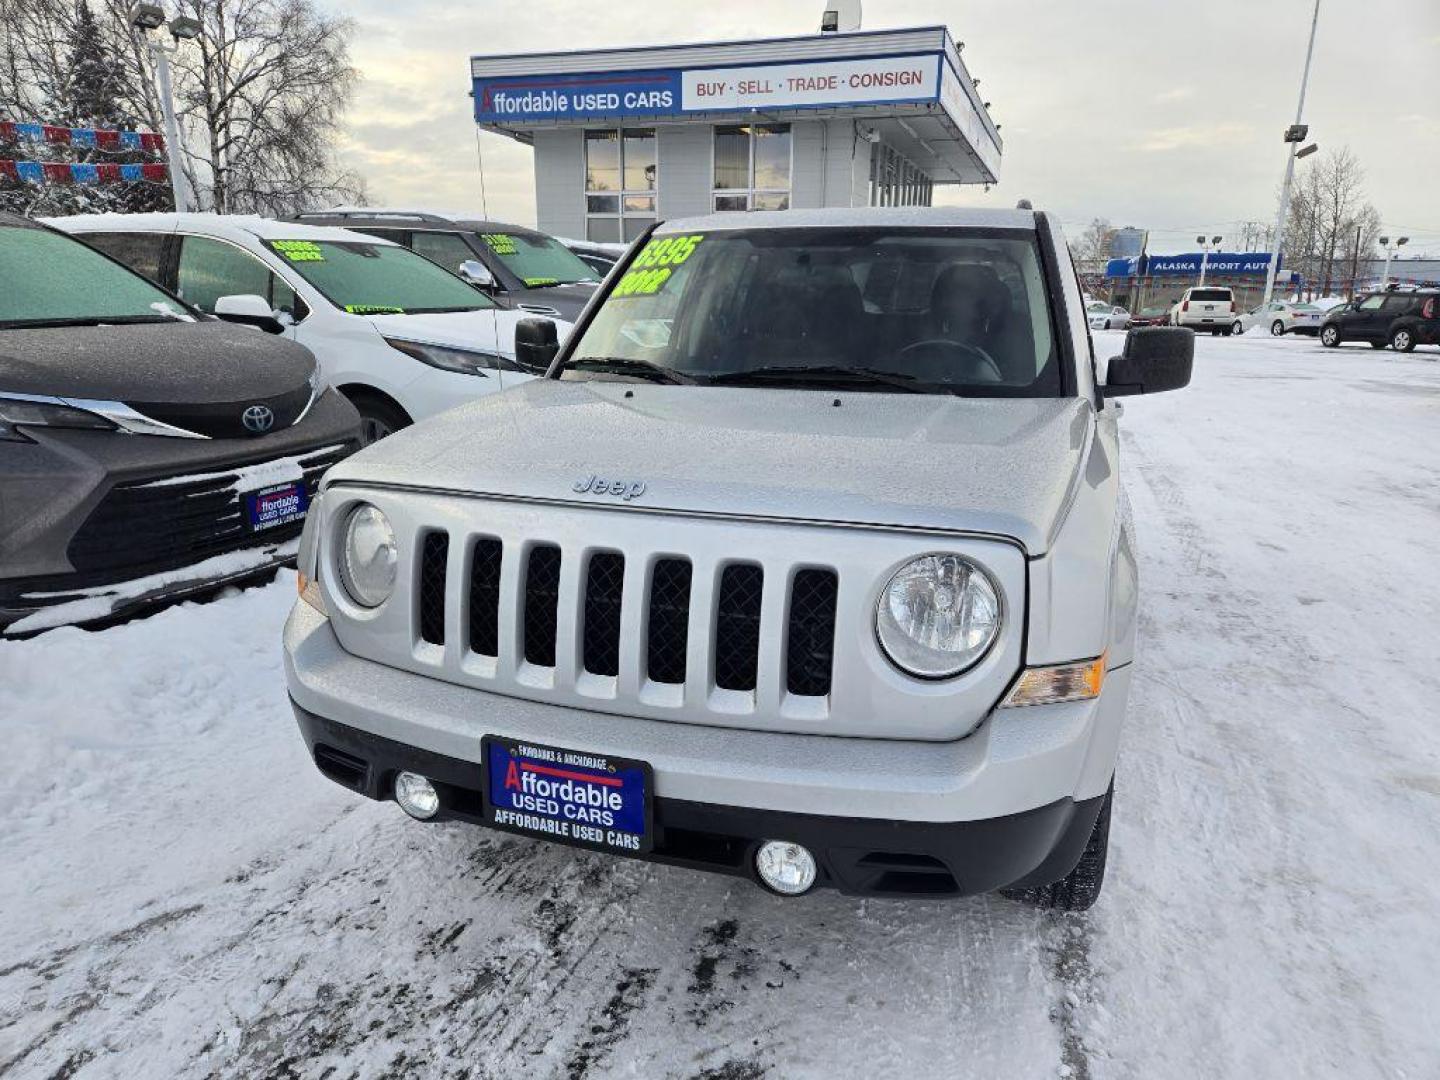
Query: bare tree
x=260 y=95
x=263 y=92
x=1093 y=247
x=1331 y=225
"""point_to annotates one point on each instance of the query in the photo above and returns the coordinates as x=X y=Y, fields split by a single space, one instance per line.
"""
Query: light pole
x=146 y=18
x=1385 y=243
x=1205 y=246
x=1294 y=136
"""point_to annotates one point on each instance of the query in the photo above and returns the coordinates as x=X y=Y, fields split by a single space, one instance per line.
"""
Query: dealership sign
x=1219 y=263
x=672 y=91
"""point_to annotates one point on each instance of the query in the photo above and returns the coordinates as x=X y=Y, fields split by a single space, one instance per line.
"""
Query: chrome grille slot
x=810 y=636
x=485 y=563
x=604 y=593
x=542 y=604
x=737 y=627
x=668 y=627
x=434 y=553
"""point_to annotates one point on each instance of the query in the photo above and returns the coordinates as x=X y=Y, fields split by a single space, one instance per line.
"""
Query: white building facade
x=623 y=137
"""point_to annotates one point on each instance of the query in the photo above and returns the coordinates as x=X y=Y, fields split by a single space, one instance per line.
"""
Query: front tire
x=1402 y=340
x=1330 y=337
x=1079 y=889
x=378 y=417
x=1277 y=328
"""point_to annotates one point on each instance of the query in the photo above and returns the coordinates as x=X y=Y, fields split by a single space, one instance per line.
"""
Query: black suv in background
x=147 y=451
x=521 y=268
x=1399 y=319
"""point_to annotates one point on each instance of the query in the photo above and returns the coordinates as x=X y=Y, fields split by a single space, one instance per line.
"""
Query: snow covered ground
x=184 y=896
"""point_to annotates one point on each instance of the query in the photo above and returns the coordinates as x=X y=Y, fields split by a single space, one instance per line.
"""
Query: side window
x=210 y=269
x=284 y=298
x=1397 y=305
x=1371 y=303
x=447 y=249
x=140 y=251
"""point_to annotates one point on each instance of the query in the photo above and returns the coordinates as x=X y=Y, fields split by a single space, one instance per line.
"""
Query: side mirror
x=536 y=343
x=1155 y=359
x=477 y=273
x=247 y=309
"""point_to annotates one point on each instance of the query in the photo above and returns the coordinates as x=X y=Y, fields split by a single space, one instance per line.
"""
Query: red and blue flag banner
x=57 y=135
x=79 y=172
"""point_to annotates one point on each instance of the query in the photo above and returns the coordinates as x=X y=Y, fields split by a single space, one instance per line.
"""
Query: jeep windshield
x=378 y=279
x=53 y=280
x=894 y=310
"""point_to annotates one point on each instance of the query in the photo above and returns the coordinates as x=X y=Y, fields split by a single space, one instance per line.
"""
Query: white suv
x=1206 y=307
x=402 y=338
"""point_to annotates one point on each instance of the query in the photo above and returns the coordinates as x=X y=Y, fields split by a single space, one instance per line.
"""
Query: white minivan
x=401 y=337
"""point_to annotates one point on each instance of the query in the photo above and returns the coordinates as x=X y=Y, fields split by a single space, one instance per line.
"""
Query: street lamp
x=146 y=18
x=1294 y=135
x=1205 y=247
x=1385 y=243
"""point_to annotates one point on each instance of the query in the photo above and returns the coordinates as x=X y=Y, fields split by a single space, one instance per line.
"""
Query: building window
x=752 y=167
x=621 y=181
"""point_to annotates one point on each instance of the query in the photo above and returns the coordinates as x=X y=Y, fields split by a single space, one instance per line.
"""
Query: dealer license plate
x=271 y=507
x=571 y=796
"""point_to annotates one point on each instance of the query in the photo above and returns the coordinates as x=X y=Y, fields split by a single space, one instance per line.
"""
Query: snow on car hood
x=485 y=330
x=1003 y=467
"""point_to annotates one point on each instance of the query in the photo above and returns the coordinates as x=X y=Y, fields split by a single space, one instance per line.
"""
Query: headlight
x=938 y=615
x=17 y=412
x=368 y=557
x=464 y=361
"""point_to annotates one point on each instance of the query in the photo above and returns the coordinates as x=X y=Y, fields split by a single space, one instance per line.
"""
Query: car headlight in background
x=368 y=557
x=33 y=411
x=464 y=361
x=938 y=616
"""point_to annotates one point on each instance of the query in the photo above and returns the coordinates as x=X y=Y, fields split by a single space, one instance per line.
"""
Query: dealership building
x=625 y=136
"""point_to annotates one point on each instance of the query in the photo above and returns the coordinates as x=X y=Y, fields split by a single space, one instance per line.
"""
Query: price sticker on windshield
x=501 y=243
x=298 y=250
x=373 y=309
x=656 y=264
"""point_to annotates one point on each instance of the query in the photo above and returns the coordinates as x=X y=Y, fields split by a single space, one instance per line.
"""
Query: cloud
x=1175 y=93
x=1216 y=136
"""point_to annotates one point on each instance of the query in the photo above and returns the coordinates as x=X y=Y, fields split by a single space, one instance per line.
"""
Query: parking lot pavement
x=185 y=896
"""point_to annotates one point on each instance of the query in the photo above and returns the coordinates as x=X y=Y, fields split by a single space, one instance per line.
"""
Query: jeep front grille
x=599 y=600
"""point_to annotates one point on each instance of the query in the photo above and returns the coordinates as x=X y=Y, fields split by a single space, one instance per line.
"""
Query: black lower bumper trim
x=859 y=856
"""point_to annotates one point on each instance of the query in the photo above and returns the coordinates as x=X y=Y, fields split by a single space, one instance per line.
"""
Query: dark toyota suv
x=147 y=451
x=520 y=268
x=1400 y=319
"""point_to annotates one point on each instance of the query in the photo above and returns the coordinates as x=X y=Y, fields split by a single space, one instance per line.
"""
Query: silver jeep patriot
x=722 y=591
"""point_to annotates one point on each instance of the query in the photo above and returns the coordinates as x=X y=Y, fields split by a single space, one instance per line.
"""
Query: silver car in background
x=807 y=563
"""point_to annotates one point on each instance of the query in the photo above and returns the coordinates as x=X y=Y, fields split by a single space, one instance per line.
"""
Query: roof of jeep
x=905 y=217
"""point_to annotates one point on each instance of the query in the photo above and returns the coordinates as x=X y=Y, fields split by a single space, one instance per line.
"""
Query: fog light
x=416 y=795
x=785 y=867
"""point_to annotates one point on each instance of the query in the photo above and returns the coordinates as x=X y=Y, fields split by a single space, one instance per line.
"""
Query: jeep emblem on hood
x=596 y=485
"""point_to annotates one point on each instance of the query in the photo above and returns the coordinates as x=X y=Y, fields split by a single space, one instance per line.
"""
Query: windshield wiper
x=824 y=374
x=86 y=320
x=621 y=365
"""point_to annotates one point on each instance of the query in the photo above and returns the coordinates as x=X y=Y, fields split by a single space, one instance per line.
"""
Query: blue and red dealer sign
x=888 y=80
x=1219 y=263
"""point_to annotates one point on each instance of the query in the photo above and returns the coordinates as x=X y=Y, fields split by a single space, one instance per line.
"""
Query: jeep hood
x=997 y=466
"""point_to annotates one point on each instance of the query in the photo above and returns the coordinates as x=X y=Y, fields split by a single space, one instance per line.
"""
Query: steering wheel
x=990 y=372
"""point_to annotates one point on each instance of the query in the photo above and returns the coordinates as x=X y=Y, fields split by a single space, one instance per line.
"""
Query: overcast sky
x=1165 y=114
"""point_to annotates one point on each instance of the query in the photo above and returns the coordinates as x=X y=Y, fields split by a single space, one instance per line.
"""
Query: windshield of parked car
x=378 y=279
x=49 y=279
x=960 y=311
x=538 y=261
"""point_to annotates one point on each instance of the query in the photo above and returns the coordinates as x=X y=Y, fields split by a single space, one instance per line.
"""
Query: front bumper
x=101 y=524
x=1006 y=805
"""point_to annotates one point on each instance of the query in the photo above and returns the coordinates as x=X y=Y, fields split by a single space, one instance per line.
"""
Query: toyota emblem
x=258 y=419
